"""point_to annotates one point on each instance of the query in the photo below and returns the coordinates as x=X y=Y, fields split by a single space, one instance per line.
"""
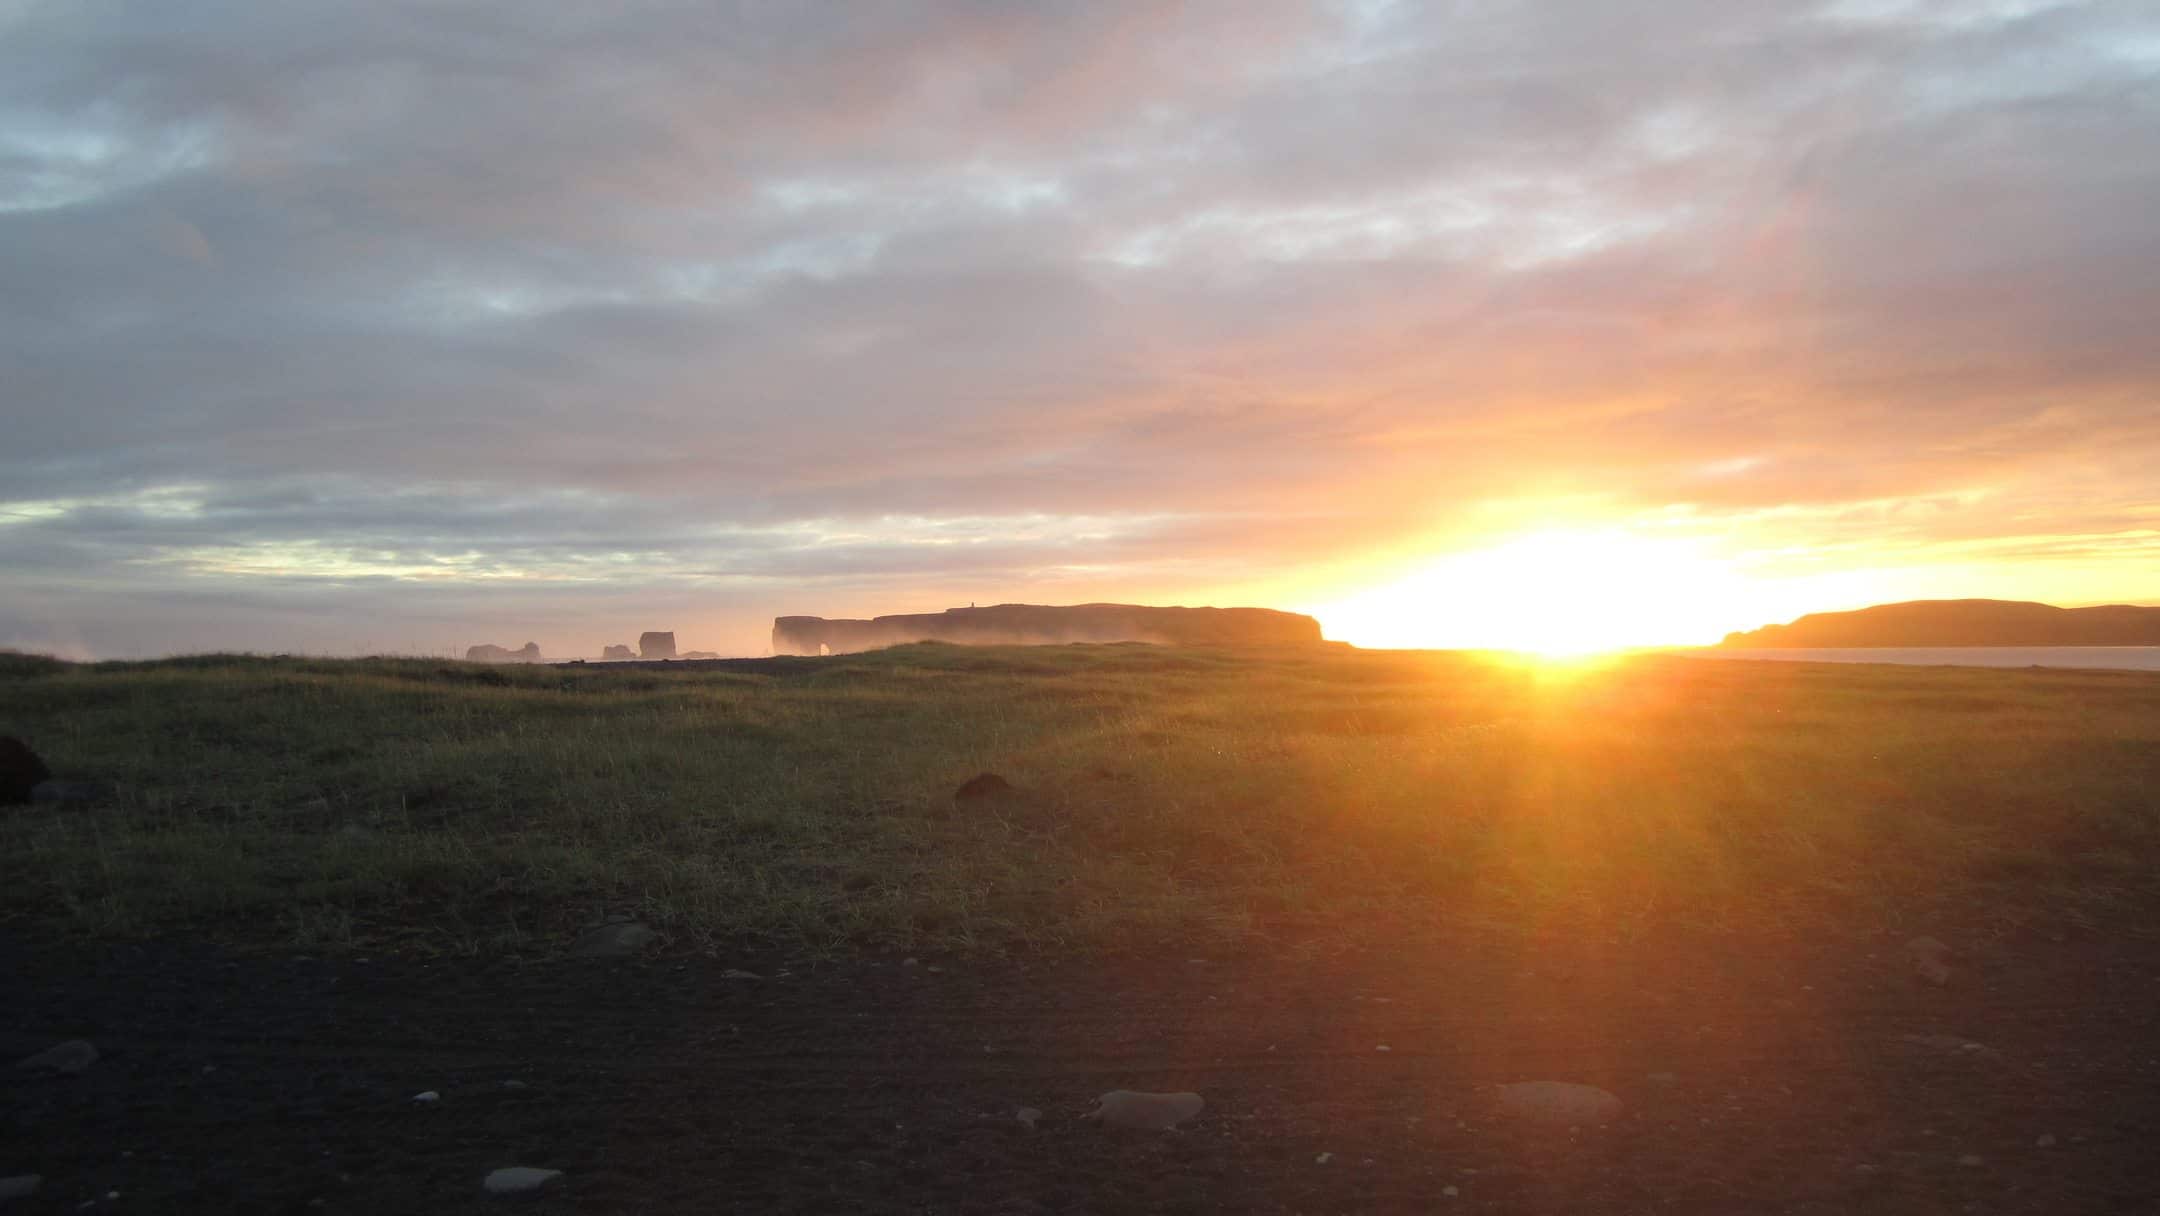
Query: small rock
x=427 y=1096
x=734 y=974
x=1028 y=1116
x=1972 y=1159
x=1152 y=1112
x=614 y=941
x=1383 y=1047
x=22 y=1186
x=1559 y=1103
x=70 y=1058
x=2044 y=1142
x=1323 y=1159
x=1948 y=1043
x=516 y=1179
x=1928 y=955
x=982 y=785
x=513 y=1085
x=1664 y=1078
x=1450 y=1191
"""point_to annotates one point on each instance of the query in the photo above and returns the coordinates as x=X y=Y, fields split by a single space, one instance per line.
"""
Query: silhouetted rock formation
x=20 y=771
x=618 y=653
x=656 y=645
x=1037 y=624
x=1963 y=623
x=485 y=653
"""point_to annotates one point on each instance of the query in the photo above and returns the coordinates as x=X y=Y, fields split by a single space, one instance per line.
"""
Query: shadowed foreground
x=1762 y=1075
x=1238 y=873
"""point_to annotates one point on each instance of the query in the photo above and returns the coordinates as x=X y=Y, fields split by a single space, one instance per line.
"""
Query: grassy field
x=1164 y=796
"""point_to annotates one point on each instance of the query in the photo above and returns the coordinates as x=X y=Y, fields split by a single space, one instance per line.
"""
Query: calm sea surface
x=2128 y=658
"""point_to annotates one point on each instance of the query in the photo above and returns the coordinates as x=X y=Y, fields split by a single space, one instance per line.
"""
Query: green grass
x=1166 y=795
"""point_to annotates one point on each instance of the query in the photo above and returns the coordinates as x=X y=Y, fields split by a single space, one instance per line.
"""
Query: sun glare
x=1554 y=593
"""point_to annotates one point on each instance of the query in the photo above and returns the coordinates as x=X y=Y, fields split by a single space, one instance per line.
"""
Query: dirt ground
x=1811 y=1075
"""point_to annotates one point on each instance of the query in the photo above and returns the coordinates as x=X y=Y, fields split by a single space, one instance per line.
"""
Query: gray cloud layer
x=334 y=325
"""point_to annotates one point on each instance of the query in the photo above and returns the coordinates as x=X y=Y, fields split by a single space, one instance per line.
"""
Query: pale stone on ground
x=1928 y=957
x=1561 y=1103
x=1151 y=1112
x=512 y=1180
x=70 y=1057
x=1950 y=1043
x=22 y=1186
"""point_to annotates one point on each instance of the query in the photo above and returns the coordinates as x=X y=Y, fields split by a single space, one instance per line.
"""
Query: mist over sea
x=2119 y=658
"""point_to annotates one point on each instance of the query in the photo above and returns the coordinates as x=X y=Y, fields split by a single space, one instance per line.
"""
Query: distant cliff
x=488 y=652
x=1963 y=623
x=1038 y=624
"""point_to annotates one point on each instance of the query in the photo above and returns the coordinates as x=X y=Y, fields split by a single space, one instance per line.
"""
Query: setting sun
x=1559 y=592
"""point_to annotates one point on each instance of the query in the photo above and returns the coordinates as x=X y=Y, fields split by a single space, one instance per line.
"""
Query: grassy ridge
x=1165 y=794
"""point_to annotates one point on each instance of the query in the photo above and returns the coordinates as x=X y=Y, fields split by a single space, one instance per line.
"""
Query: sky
x=341 y=328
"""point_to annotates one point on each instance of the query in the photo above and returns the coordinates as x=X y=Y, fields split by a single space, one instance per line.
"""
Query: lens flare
x=1557 y=593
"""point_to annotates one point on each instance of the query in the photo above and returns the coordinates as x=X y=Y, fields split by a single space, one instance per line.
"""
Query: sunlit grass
x=1166 y=795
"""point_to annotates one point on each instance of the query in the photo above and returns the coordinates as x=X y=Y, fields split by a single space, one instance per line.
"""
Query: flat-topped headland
x=1922 y=623
x=1043 y=624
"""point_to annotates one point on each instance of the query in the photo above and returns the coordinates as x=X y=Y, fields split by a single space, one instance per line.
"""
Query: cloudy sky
x=339 y=327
